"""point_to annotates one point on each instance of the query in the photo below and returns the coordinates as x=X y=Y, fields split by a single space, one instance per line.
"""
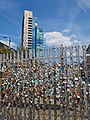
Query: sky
x=64 y=21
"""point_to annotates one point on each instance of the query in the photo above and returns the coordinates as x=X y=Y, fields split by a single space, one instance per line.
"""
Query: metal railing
x=51 y=86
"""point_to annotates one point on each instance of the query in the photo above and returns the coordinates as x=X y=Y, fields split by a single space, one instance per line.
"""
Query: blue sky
x=64 y=21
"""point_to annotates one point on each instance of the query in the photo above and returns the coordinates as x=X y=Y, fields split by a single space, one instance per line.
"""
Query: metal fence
x=51 y=86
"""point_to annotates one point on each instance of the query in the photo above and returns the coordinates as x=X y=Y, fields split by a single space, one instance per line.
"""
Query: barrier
x=51 y=86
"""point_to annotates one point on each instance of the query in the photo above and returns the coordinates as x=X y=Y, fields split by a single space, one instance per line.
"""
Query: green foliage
x=5 y=50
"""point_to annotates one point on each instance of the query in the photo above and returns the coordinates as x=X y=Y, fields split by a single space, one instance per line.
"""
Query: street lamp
x=8 y=40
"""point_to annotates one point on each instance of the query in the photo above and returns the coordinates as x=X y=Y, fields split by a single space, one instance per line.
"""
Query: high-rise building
x=32 y=34
x=37 y=37
x=40 y=40
x=27 y=30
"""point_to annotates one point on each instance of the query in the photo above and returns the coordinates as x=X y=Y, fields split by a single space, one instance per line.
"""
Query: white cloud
x=58 y=38
x=66 y=31
x=73 y=36
x=7 y=43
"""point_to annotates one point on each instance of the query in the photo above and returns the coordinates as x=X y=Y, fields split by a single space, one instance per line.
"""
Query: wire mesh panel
x=54 y=86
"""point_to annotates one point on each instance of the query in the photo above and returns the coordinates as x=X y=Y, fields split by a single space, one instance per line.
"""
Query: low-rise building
x=4 y=49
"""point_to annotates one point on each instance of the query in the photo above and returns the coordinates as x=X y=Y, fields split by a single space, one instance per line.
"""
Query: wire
x=3 y=35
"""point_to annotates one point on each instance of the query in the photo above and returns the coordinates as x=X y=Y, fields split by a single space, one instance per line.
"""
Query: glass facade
x=34 y=22
x=37 y=37
x=40 y=40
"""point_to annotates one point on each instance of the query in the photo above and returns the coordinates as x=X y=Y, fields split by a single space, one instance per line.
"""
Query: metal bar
x=73 y=83
x=26 y=58
x=66 y=85
x=55 y=84
x=80 y=83
x=49 y=93
x=49 y=75
x=10 y=57
x=87 y=100
x=7 y=56
x=20 y=115
x=61 y=82
x=24 y=108
x=43 y=78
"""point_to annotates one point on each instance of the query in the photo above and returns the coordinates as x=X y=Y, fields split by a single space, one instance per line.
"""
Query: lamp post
x=5 y=36
x=9 y=41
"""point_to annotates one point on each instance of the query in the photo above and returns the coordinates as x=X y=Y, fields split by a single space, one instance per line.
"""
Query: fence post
x=1 y=114
x=55 y=84
x=66 y=84
x=14 y=57
x=87 y=100
x=30 y=54
x=26 y=58
x=73 y=82
x=80 y=82
x=0 y=60
x=49 y=94
x=18 y=57
x=10 y=57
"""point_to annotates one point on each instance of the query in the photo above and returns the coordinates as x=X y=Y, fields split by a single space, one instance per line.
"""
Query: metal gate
x=52 y=86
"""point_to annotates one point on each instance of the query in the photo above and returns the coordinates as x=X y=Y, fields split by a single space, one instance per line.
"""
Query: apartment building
x=32 y=34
